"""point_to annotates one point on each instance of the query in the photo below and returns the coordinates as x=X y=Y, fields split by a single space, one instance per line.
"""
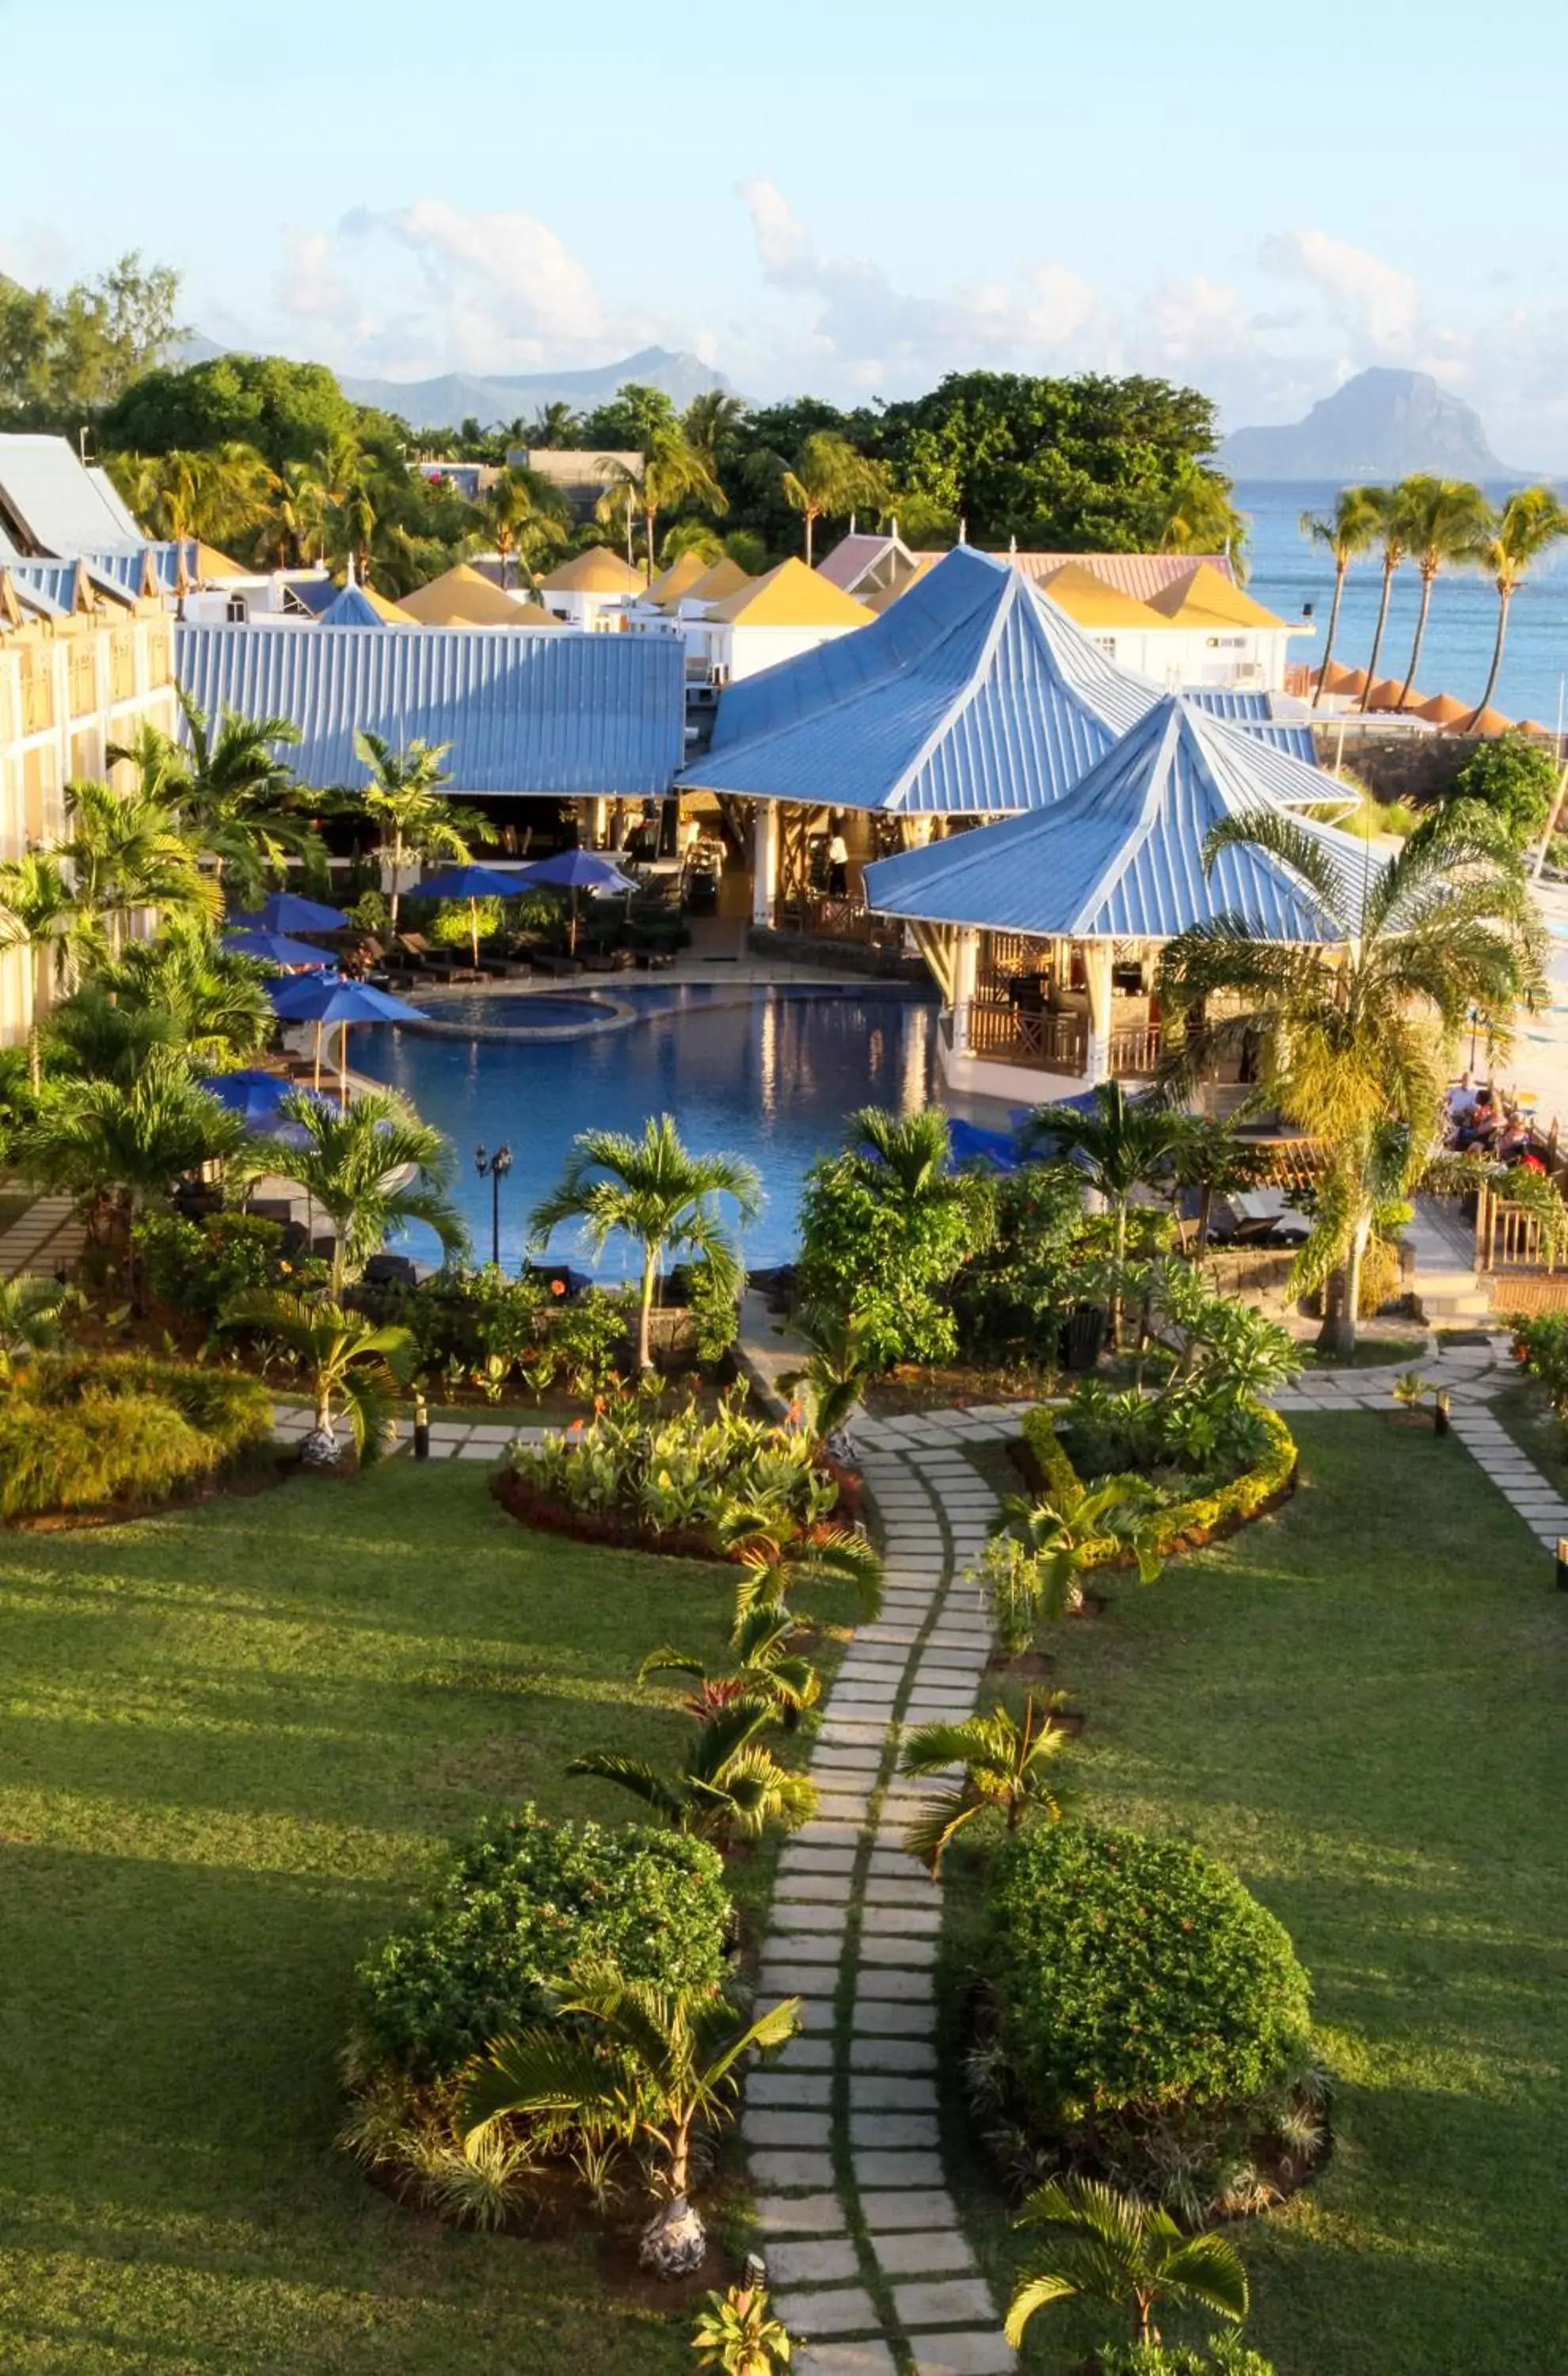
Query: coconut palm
x=1443 y=520
x=347 y=1362
x=1114 y=2249
x=832 y=1386
x=656 y=1191
x=30 y=1312
x=768 y=1672
x=775 y=1570
x=671 y=471
x=372 y=1167
x=728 y=1781
x=126 y=850
x=830 y=479
x=1056 y=1533
x=1392 y=547
x=553 y=425
x=1350 y=528
x=1354 y=1033
x=40 y=911
x=1123 y=1143
x=711 y=420
x=1006 y=1773
x=236 y=493
x=1530 y=523
x=1198 y=517
x=657 y=2065
x=523 y=512
x=298 y=515
x=404 y=801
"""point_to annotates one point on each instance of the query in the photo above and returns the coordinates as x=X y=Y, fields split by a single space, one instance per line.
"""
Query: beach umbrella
x=251 y=1093
x=575 y=871
x=472 y=883
x=1444 y=710
x=1385 y=693
x=285 y=912
x=326 y=998
x=1491 y=721
x=273 y=948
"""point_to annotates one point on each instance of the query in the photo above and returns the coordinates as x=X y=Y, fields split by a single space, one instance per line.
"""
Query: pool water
x=538 y=1011
x=769 y=1075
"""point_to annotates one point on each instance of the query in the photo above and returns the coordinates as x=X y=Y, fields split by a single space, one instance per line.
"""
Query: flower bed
x=1180 y=1526
x=98 y=1434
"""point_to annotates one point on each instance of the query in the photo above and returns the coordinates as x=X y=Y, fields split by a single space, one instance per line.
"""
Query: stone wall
x=1415 y=768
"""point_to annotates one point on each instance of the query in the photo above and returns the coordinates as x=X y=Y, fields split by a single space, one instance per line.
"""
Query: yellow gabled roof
x=392 y=612
x=715 y=585
x=1207 y=600
x=210 y=564
x=680 y=577
x=462 y=597
x=597 y=571
x=1092 y=602
x=791 y=596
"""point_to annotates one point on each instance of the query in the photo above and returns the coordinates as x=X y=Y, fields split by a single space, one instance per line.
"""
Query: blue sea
x=1286 y=572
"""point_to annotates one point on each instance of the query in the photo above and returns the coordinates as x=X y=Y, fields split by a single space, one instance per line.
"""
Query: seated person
x=1461 y=1102
x=1482 y=1125
x=1513 y=1140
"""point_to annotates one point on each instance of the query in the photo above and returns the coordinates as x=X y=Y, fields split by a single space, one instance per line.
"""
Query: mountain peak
x=494 y=398
x=1384 y=423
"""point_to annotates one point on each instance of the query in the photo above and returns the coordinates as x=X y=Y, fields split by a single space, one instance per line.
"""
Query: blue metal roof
x=352 y=607
x=524 y=713
x=1121 y=857
x=59 y=504
x=969 y=695
x=60 y=580
x=1257 y=713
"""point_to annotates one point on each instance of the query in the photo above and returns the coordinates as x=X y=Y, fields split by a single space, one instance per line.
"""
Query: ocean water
x=1286 y=572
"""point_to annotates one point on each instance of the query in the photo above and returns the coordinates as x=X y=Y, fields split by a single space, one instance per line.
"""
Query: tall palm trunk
x=1505 y=596
x=1428 y=577
x=1341 y=567
x=397 y=880
x=1389 y=569
x=645 y=1311
x=811 y=523
x=649 y=517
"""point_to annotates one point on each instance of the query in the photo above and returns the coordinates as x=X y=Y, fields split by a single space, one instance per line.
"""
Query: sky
x=848 y=199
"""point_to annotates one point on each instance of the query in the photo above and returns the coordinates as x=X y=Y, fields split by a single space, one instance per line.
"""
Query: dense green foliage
x=667 y=1471
x=1134 y=1974
x=884 y=1228
x=1224 y=2355
x=526 y=1906
x=84 y=1431
x=1513 y=776
x=199 y=1266
x=287 y=412
x=63 y=357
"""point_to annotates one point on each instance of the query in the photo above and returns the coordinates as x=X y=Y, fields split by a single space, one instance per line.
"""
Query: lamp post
x=495 y=1166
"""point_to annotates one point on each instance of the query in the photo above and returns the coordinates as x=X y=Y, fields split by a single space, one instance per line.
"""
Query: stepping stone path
x=867 y=2261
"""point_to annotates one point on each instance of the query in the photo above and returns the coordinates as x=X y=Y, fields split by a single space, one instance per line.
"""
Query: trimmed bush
x=1134 y=1974
x=1227 y=2356
x=526 y=1903
x=201 y=1266
x=83 y=1432
x=1180 y=1526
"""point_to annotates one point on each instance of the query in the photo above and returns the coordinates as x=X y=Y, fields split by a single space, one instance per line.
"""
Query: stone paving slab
x=780 y=2169
x=791 y=2091
x=890 y=2131
x=874 y=2091
x=987 y=2353
x=943 y=2301
x=844 y=2360
x=836 y=2310
x=875 y=2168
x=814 y=2260
x=811 y=2131
x=919 y=2251
x=913 y=2207
x=915 y=2054
x=887 y=2017
x=797 y=2215
x=901 y=1983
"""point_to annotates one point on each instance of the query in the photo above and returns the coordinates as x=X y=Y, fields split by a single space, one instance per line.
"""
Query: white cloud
x=310 y=285
x=1378 y=304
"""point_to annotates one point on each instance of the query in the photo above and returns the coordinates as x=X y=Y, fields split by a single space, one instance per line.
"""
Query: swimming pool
x=767 y=1074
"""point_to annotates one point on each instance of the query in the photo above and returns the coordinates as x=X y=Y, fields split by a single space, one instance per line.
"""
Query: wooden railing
x=831 y=919
x=1134 y=1051
x=1010 y=1035
x=37 y=703
x=1287 y=1162
x=83 y=682
x=122 y=664
x=1513 y=1237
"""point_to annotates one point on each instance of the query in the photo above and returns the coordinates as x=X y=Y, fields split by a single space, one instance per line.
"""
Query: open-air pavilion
x=1044 y=933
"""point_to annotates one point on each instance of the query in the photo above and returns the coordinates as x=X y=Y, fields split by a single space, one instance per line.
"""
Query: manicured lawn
x=233 y=1744
x=1361 y=1703
x=1369 y=1353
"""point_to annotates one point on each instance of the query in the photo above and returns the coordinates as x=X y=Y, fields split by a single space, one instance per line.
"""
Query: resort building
x=769 y=619
x=593 y=589
x=1043 y=933
x=581 y=474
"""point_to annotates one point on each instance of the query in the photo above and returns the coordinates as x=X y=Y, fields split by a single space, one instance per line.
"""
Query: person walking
x=837 y=862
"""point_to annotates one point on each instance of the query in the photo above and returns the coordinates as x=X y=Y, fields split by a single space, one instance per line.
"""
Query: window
x=236 y=610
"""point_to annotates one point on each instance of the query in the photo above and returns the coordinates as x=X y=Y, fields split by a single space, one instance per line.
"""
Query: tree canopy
x=286 y=411
x=64 y=356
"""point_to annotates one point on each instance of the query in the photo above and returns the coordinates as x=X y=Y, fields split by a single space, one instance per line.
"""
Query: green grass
x=1359 y=1704
x=1369 y=1353
x=234 y=1743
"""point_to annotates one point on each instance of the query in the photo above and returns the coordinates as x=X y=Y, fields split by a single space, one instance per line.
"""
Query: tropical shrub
x=716 y=1312
x=86 y=1432
x=681 y=1472
x=585 y=1338
x=1181 y=1519
x=885 y=1227
x=1011 y=1298
x=525 y=1904
x=1224 y=2355
x=451 y=924
x=1151 y=2019
x=1513 y=776
x=199 y=1266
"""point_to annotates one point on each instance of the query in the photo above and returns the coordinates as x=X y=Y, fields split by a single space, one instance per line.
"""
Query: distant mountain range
x=458 y=396
x=1381 y=424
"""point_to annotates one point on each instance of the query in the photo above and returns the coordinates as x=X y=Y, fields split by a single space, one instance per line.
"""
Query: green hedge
x=1133 y=1973
x=82 y=1431
x=526 y=1904
x=1180 y=1526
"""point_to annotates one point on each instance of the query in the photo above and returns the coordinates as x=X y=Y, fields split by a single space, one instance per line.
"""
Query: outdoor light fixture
x=495 y=1166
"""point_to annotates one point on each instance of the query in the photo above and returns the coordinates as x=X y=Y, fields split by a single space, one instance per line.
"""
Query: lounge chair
x=556 y=961
x=437 y=965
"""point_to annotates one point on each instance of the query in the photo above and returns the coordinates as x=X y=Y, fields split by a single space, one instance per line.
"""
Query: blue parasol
x=273 y=948
x=472 y=883
x=285 y=912
x=575 y=871
x=324 y=998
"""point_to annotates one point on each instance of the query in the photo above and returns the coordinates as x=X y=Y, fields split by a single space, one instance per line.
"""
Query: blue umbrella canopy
x=251 y=1093
x=285 y=912
x=576 y=870
x=469 y=883
x=329 y=998
x=273 y=948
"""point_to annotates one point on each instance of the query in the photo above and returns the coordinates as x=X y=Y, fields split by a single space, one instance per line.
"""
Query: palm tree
x=1344 y=532
x=1198 y=517
x=1006 y=1773
x=1045 y=1546
x=209 y=1001
x=1530 y=523
x=830 y=1389
x=553 y=425
x=1444 y=519
x=1354 y=1033
x=403 y=800
x=30 y=1312
x=345 y=1360
x=126 y=850
x=1129 y=2254
x=671 y=471
x=40 y=911
x=229 y=792
x=1394 y=546
x=656 y=2065
x=136 y=1138
x=727 y=1782
x=372 y=1167
x=1124 y=1144
x=775 y=1570
x=831 y=479
x=656 y=1191
x=237 y=489
x=524 y=511
x=768 y=1672
x=1210 y=1157
x=298 y=511
x=711 y=420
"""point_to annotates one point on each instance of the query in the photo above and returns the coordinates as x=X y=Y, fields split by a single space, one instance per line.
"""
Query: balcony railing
x=830 y=919
x=38 y=704
x=82 y=684
x=122 y=665
x=1007 y=1034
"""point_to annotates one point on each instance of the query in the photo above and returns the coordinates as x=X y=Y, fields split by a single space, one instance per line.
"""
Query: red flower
x=575 y=1428
x=557 y=1287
